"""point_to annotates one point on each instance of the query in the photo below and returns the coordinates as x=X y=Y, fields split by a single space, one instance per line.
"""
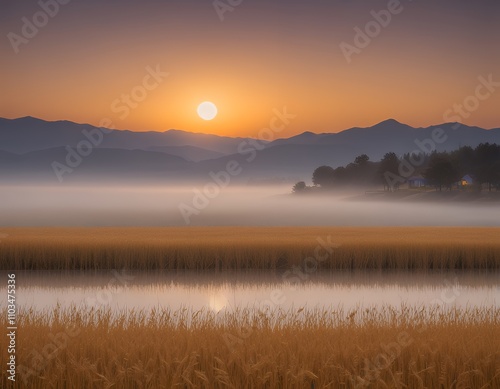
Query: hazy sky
x=263 y=55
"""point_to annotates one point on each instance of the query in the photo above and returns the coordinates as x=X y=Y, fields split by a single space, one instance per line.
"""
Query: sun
x=217 y=301
x=207 y=110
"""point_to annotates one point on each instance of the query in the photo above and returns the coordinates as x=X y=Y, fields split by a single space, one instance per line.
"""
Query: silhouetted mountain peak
x=389 y=122
x=305 y=135
x=29 y=119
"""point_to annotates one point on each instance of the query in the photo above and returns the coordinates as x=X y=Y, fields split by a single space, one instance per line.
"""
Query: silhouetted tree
x=359 y=172
x=323 y=176
x=299 y=187
x=441 y=172
x=487 y=164
x=413 y=164
x=388 y=172
x=463 y=160
x=361 y=160
x=340 y=175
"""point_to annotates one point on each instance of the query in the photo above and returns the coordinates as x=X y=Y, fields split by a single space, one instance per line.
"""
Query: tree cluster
x=439 y=169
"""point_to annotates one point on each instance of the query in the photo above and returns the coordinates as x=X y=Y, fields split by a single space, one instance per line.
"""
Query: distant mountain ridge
x=27 y=134
x=391 y=128
x=28 y=146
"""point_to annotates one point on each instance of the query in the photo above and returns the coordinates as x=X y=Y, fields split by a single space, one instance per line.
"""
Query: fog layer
x=233 y=205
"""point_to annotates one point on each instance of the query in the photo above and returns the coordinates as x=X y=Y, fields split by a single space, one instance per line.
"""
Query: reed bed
x=237 y=248
x=414 y=347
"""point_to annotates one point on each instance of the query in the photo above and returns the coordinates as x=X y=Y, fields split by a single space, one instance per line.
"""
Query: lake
x=120 y=290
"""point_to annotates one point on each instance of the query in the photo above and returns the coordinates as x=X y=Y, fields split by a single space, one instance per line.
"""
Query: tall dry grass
x=224 y=248
x=419 y=348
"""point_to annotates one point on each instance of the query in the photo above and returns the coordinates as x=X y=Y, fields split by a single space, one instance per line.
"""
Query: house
x=416 y=182
x=466 y=180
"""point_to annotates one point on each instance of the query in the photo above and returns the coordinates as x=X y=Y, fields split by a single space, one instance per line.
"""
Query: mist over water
x=146 y=205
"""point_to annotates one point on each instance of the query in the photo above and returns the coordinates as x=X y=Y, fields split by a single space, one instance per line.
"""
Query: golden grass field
x=418 y=348
x=223 y=248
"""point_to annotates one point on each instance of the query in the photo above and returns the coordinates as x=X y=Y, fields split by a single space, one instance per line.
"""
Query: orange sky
x=259 y=58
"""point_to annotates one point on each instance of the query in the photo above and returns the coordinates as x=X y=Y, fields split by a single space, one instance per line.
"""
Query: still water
x=120 y=290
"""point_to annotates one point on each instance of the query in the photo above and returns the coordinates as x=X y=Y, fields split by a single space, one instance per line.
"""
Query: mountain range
x=29 y=147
